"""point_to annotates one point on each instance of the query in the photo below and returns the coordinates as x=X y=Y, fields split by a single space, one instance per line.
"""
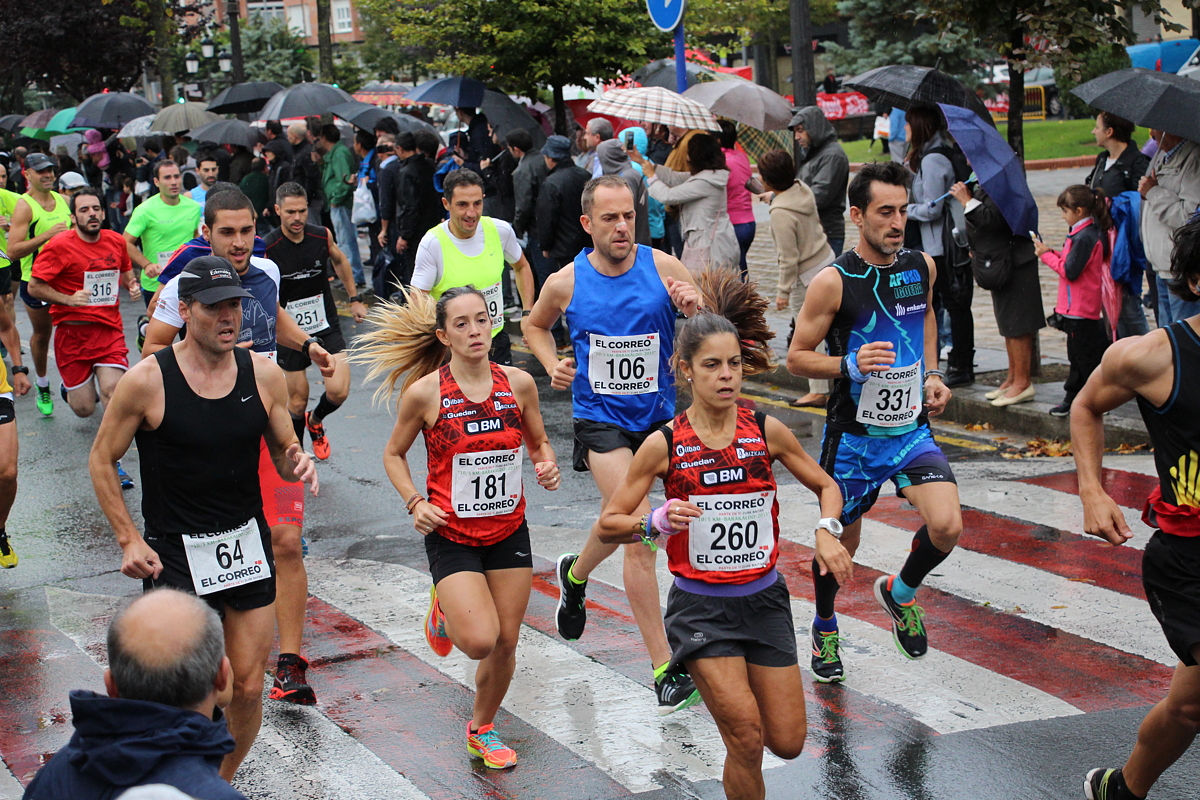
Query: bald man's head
x=166 y=647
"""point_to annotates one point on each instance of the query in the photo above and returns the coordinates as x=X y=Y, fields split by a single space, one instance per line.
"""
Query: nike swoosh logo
x=522 y=555
x=244 y=399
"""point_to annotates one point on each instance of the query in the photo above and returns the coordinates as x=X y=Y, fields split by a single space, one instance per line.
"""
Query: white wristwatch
x=831 y=524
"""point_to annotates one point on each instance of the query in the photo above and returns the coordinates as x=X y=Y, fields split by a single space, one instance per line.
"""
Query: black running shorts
x=8 y=411
x=757 y=627
x=178 y=575
x=1171 y=578
x=295 y=361
x=447 y=557
x=6 y=278
x=604 y=437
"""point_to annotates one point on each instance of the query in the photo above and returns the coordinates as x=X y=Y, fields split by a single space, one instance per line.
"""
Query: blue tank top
x=623 y=331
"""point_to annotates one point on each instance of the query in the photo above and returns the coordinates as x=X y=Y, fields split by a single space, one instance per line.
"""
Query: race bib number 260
x=735 y=532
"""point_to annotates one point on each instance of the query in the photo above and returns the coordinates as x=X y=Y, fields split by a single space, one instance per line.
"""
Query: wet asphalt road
x=867 y=739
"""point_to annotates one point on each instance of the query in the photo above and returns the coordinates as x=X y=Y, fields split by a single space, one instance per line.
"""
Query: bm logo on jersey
x=485 y=425
x=717 y=477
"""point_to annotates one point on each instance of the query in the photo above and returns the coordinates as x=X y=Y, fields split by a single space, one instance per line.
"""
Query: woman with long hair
x=729 y=619
x=474 y=416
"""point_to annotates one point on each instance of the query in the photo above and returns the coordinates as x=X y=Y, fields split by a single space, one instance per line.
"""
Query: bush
x=1092 y=64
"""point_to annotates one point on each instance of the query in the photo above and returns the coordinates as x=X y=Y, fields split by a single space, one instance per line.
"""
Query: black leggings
x=955 y=288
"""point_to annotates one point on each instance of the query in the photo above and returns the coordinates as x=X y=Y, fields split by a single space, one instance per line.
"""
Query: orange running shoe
x=316 y=430
x=485 y=744
x=435 y=626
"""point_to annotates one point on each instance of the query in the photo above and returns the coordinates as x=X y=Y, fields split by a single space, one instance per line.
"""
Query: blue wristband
x=852 y=367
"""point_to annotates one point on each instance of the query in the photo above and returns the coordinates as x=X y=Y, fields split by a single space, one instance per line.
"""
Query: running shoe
x=126 y=481
x=571 y=615
x=143 y=323
x=45 y=401
x=485 y=744
x=316 y=431
x=908 y=621
x=1104 y=784
x=8 y=556
x=827 y=656
x=676 y=691
x=435 y=626
x=303 y=546
x=291 y=682
x=62 y=391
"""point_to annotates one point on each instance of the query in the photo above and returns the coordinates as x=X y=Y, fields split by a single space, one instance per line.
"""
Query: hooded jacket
x=559 y=207
x=1170 y=204
x=1080 y=266
x=800 y=244
x=708 y=237
x=122 y=743
x=933 y=180
x=825 y=168
x=615 y=161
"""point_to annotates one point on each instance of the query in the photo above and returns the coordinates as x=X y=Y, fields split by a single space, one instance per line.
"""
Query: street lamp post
x=192 y=63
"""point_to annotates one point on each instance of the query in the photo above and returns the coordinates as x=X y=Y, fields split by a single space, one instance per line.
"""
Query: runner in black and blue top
x=873 y=307
x=620 y=300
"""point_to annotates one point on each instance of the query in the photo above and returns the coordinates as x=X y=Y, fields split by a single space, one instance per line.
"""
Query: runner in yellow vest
x=8 y=204
x=470 y=249
x=41 y=214
x=8 y=431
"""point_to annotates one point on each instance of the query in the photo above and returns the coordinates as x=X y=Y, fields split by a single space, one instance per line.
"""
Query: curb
x=1036 y=164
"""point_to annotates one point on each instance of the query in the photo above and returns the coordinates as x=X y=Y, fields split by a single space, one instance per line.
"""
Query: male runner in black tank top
x=1151 y=369
x=199 y=410
x=303 y=254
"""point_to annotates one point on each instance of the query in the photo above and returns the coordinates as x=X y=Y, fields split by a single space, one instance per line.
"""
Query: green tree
x=518 y=47
x=1033 y=33
x=1099 y=61
x=385 y=58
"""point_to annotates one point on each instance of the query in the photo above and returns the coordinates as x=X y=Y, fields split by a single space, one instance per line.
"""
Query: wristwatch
x=309 y=342
x=831 y=524
x=355 y=299
x=525 y=312
x=20 y=369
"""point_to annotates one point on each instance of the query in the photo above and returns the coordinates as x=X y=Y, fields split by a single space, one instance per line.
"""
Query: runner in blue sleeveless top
x=874 y=309
x=620 y=301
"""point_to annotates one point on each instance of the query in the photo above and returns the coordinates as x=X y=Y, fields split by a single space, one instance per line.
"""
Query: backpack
x=955 y=248
x=956 y=157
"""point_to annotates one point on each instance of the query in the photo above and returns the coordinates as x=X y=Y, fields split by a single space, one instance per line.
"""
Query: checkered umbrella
x=655 y=104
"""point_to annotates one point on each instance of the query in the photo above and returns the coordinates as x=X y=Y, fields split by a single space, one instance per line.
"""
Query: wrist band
x=642 y=533
x=412 y=501
x=844 y=366
x=856 y=374
x=931 y=372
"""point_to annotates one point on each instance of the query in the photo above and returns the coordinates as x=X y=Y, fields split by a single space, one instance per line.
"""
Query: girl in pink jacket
x=1080 y=265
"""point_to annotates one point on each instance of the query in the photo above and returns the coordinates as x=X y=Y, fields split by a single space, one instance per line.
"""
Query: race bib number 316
x=623 y=364
x=486 y=484
x=735 y=532
x=101 y=287
x=226 y=559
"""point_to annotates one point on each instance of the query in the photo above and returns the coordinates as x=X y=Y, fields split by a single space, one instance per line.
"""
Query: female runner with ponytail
x=729 y=618
x=474 y=415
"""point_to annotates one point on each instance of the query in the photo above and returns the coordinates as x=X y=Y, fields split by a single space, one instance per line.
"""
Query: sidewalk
x=1123 y=425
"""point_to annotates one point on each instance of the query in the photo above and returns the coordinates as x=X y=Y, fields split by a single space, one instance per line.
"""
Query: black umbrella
x=366 y=116
x=1160 y=100
x=244 y=98
x=11 y=122
x=227 y=131
x=662 y=73
x=505 y=114
x=458 y=92
x=303 y=100
x=111 y=110
x=907 y=86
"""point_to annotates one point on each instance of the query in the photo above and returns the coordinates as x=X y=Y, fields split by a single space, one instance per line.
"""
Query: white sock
x=43 y=382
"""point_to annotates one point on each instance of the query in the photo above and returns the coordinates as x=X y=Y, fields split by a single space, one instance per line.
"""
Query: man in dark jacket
x=388 y=150
x=305 y=171
x=418 y=205
x=825 y=168
x=498 y=199
x=559 y=205
x=479 y=143
x=160 y=723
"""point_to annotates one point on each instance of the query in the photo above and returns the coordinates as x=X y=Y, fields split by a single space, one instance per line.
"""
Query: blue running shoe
x=126 y=481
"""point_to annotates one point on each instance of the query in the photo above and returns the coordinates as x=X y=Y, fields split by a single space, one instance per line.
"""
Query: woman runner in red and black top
x=475 y=416
x=729 y=619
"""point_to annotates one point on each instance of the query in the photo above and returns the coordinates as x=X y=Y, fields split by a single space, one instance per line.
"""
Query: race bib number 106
x=623 y=364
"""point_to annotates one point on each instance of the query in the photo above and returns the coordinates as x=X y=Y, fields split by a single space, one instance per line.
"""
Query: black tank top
x=200 y=465
x=303 y=269
x=1174 y=429
x=879 y=304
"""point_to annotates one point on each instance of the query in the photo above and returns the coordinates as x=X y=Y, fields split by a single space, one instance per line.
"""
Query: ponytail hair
x=1094 y=202
x=404 y=343
x=730 y=306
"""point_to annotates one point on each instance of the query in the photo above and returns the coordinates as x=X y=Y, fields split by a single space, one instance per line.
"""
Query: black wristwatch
x=845 y=366
x=309 y=342
x=356 y=299
x=525 y=312
x=20 y=369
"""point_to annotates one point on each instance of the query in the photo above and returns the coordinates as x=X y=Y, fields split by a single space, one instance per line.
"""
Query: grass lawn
x=1054 y=138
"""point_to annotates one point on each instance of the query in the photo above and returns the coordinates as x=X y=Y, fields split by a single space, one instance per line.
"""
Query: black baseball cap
x=210 y=279
x=38 y=162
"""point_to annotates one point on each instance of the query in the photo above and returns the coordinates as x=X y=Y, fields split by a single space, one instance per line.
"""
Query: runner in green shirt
x=164 y=223
x=8 y=204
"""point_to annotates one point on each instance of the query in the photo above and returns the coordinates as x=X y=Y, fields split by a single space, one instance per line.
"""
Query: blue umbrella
x=999 y=171
x=458 y=92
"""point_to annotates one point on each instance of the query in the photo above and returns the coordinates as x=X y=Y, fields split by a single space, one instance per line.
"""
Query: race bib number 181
x=486 y=484
x=623 y=364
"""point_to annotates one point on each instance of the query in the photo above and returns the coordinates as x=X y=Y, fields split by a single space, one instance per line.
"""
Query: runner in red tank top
x=729 y=619
x=475 y=416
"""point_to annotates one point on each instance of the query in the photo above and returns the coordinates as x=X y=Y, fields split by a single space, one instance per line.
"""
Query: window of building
x=265 y=9
x=343 y=21
x=297 y=19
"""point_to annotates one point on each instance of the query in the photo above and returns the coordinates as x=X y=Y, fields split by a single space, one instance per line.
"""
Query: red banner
x=843 y=104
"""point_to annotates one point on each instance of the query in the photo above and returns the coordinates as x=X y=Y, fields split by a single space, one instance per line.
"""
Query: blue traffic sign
x=666 y=14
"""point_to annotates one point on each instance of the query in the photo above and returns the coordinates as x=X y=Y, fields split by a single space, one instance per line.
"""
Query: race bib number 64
x=226 y=559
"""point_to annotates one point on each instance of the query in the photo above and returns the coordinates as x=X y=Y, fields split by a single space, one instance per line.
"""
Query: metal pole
x=235 y=43
x=680 y=60
x=804 y=80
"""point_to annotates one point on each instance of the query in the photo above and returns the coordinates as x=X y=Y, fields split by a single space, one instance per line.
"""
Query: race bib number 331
x=623 y=364
x=226 y=559
x=486 y=484
x=735 y=532
x=891 y=399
